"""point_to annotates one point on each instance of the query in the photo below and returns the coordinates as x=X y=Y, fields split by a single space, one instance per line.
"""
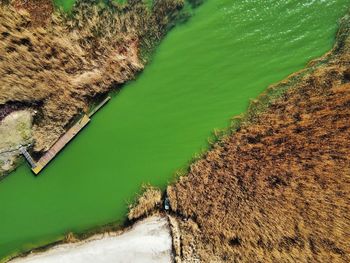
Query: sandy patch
x=146 y=242
x=15 y=130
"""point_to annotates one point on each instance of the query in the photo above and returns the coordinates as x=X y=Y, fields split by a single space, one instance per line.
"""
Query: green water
x=202 y=74
x=67 y=5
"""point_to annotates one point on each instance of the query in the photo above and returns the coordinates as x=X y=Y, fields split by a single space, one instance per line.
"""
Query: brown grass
x=40 y=10
x=150 y=199
x=60 y=68
x=278 y=189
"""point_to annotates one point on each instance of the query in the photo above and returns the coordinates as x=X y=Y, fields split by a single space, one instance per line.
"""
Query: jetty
x=99 y=106
x=29 y=158
x=38 y=166
x=59 y=145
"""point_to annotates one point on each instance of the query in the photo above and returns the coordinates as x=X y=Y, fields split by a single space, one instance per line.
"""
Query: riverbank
x=58 y=64
x=204 y=72
x=147 y=241
x=276 y=189
x=15 y=130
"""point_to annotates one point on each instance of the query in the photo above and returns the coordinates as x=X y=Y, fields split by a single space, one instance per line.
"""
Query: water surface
x=203 y=73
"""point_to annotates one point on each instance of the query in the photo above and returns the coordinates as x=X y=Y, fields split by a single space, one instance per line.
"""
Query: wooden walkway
x=98 y=107
x=37 y=167
x=59 y=145
x=29 y=158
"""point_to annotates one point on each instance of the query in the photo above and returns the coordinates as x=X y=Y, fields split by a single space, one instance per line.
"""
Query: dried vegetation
x=150 y=199
x=57 y=64
x=277 y=189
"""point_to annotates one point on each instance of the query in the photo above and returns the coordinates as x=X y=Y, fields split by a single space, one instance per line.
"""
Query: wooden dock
x=59 y=145
x=98 y=107
x=29 y=158
x=38 y=166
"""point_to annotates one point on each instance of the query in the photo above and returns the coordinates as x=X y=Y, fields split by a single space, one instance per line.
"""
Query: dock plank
x=60 y=144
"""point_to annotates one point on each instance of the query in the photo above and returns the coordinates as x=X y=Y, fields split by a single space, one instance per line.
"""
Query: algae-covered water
x=67 y=5
x=203 y=73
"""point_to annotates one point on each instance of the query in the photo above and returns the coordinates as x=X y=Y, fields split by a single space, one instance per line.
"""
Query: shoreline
x=116 y=229
x=149 y=237
x=260 y=102
x=261 y=214
x=78 y=69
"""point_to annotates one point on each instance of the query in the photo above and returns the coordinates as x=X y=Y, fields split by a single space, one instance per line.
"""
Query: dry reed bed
x=277 y=189
x=57 y=64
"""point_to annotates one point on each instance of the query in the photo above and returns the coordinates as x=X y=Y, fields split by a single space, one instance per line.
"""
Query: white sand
x=149 y=241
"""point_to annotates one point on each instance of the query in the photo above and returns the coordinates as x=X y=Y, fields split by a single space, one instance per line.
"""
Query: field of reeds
x=149 y=201
x=56 y=63
x=276 y=189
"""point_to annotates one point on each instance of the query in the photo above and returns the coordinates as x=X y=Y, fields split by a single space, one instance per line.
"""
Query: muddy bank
x=60 y=63
x=278 y=188
x=147 y=241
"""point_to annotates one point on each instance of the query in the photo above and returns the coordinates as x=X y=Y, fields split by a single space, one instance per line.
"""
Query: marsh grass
x=148 y=201
x=276 y=189
x=64 y=65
